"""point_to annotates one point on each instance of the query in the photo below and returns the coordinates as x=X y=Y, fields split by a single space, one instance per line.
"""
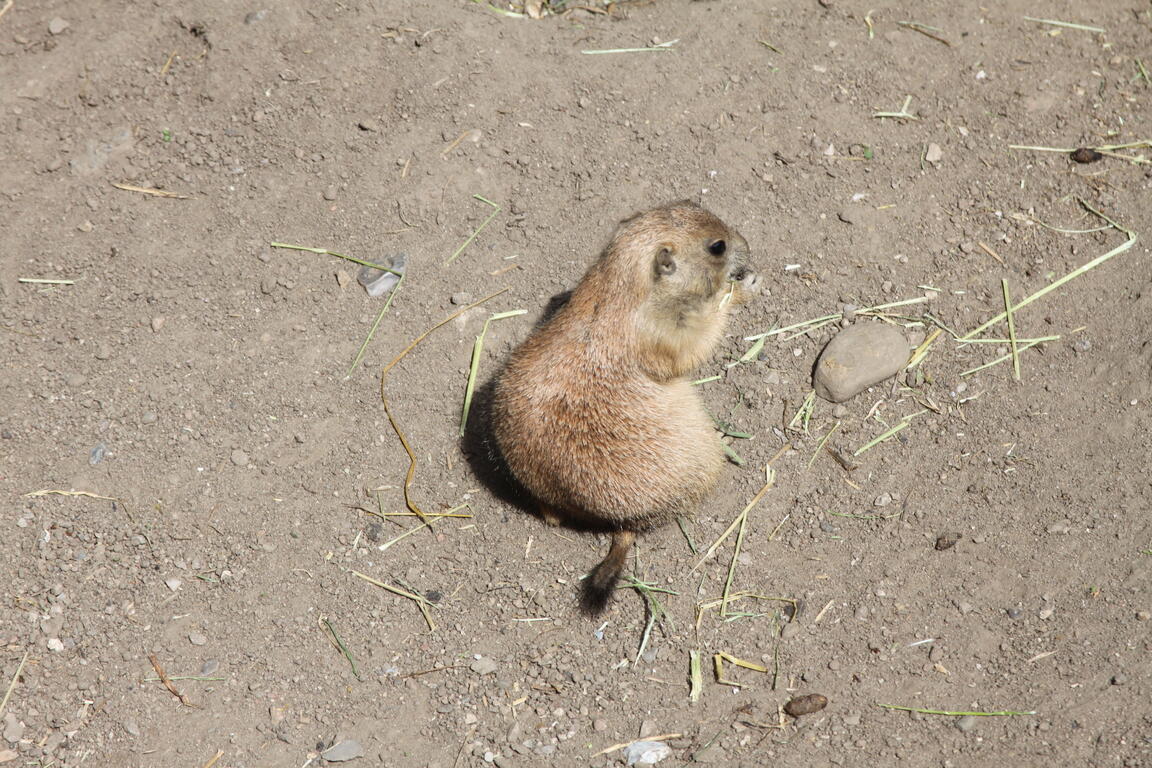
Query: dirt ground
x=190 y=382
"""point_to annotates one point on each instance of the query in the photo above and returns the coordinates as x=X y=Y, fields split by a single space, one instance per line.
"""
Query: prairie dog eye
x=718 y=248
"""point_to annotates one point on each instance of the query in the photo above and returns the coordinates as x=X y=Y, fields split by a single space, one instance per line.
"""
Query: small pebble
x=805 y=705
x=96 y=455
x=1086 y=155
x=1143 y=615
x=600 y=724
x=483 y=666
x=75 y=380
x=209 y=667
x=1061 y=526
x=839 y=411
x=330 y=193
x=1046 y=613
x=173 y=583
x=966 y=723
x=255 y=16
x=349 y=749
x=378 y=282
x=883 y=500
x=934 y=154
x=148 y=417
x=57 y=26
x=947 y=540
x=196 y=638
x=131 y=727
x=1014 y=612
x=368 y=124
x=157 y=323
x=54 y=644
x=13 y=728
x=1119 y=679
x=646 y=752
x=460 y=299
x=239 y=458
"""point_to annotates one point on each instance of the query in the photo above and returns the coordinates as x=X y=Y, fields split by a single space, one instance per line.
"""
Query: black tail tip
x=593 y=599
x=596 y=590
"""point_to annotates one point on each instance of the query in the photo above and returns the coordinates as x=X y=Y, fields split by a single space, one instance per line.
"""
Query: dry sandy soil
x=190 y=381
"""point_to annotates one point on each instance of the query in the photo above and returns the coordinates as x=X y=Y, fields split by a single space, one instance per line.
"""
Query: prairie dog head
x=686 y=268
x=687 y=252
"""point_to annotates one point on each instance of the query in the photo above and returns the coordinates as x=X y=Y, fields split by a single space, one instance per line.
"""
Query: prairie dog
x=592 y=412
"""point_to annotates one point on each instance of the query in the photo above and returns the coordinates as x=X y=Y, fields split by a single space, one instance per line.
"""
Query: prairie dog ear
x=665 y=262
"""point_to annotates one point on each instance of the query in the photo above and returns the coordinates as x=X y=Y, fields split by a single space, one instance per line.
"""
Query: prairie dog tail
x=601 y=582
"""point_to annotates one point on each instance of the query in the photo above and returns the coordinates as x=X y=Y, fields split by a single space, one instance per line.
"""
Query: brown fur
x=592 y=413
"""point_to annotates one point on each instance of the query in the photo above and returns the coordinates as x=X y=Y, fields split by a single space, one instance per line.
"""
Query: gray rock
x=239 y=458
x=96 y=455
x=57 y=26
x=197 y=638
x=342 y=751
x=209 y=667
x=966 y=723
x=857 y=358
